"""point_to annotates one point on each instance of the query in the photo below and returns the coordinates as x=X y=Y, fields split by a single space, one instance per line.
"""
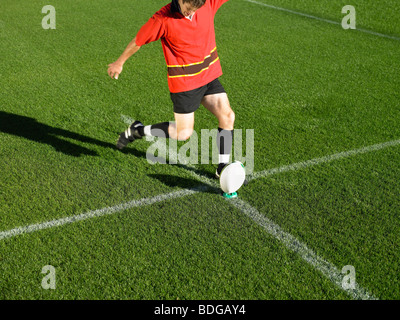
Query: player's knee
x=184 y=134
x=230 y=119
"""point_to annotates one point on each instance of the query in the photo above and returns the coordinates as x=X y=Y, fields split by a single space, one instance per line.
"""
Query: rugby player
x=186 y=30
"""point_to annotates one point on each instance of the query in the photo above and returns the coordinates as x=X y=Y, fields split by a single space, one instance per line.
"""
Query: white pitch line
x=100 y=212
x=322 y=19
x=325 y=267
x=329 y=158
x=147 y=201
x=292 y=243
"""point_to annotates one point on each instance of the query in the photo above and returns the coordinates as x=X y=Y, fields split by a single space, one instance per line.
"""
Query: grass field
x=307 y=87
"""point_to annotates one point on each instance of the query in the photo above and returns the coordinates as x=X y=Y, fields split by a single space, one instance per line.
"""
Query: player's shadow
x=31 y=129
x=176 y=181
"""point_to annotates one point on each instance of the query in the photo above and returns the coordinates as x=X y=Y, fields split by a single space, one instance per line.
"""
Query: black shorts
x=189 y=101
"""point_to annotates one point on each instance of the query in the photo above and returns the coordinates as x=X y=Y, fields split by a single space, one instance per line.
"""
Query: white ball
x=232 y=177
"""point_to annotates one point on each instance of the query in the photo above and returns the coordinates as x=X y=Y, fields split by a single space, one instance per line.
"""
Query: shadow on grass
x=31 y=129
x=176 y=181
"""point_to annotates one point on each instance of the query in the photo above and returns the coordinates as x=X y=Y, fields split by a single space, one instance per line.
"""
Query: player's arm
x=151 y=31
x=115 y=68
x=216 y=4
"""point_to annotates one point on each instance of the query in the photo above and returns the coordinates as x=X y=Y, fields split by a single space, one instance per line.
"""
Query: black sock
x=224 y=143
x=155 y=130
x=141 y=130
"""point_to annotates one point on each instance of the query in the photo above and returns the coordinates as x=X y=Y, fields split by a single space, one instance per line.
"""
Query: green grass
x=306 y=87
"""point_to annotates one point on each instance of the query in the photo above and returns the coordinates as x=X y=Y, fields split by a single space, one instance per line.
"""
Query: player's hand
x=114 y=70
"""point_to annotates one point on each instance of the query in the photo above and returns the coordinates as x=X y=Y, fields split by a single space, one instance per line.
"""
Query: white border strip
x=322 y=19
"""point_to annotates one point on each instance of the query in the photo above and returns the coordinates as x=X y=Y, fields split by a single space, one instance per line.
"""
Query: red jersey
x=189 y=46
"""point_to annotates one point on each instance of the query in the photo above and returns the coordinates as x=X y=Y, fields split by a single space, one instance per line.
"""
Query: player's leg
x=180 y=130
x=185 y=103
x=218 y=104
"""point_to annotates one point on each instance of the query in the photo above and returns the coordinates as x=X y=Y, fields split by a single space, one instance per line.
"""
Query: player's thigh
x=218 y=104
x=184 y=124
